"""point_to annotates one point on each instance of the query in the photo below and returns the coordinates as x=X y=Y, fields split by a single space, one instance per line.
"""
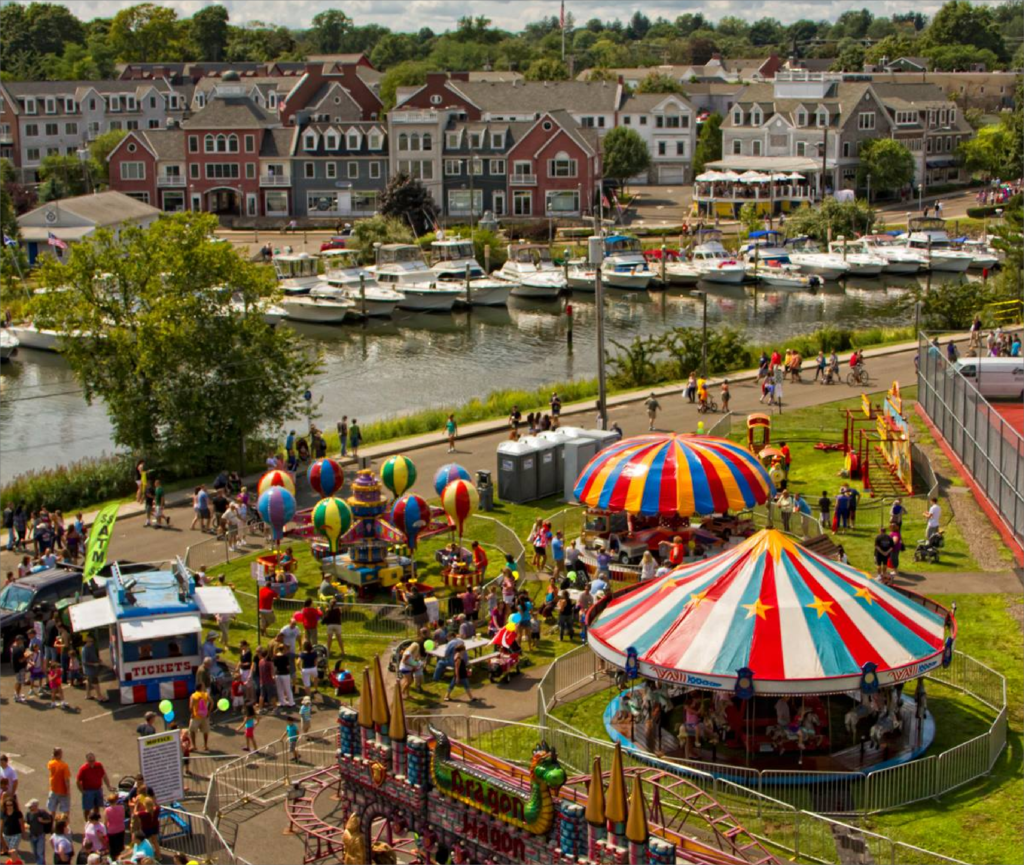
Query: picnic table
x=472 y=644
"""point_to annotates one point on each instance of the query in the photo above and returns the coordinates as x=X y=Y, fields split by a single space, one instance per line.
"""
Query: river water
x=421 y=360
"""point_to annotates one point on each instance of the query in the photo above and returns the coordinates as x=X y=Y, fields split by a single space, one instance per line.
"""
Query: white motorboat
x=862 y=262
x=347 y=278
x=297 y=273
x=400 y=266
x=765 y=245
x=624 y=265
x=779 y=274
x=898 y=259
x=319 y=310
x=804 y=253
x=455 y=265
x=581 y=276
x=678 y=269
x=714 y=262
x=927 y=234
x=8 y=344
x=30 y=336
x=531 y=272
x=983 y=255
x=271 y=313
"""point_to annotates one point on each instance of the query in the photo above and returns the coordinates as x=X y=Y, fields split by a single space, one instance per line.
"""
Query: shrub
x=985 y=212
x=73 y=486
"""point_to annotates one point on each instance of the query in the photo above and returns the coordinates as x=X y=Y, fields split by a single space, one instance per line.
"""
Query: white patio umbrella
x=795 y=176
x=730 y=176
x=708 y=176
x=753 y=177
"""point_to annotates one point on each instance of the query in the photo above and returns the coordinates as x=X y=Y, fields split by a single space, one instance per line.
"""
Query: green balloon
x=223 y=704
x=165 y=706
x=429 y=645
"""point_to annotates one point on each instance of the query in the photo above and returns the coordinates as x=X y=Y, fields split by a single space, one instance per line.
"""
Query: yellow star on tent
x=821 y=606
x=865 y=593
x=757 y=609
x=696 y=598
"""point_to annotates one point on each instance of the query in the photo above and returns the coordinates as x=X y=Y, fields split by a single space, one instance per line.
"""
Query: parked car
x=23 y=601
x=337 y=241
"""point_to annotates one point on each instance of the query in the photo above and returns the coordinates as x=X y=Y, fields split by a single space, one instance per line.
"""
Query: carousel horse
x=889 y=723
x=802 y=729
x=869 y=707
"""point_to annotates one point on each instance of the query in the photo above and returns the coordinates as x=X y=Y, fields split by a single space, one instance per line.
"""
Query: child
x=237 y=689
x=56 y=687
x=75 y=677
x=37 y=675
x=310 y=674
x=825 y=507
x=249 y=723
x=306 y=713
x=291 y=732
x=726 y=395
x=186 y=746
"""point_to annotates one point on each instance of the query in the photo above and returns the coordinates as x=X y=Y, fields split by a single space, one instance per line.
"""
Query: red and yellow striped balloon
x=277 y=478
x=459 y=500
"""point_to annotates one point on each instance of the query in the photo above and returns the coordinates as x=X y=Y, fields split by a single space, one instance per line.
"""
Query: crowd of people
x=46 y=537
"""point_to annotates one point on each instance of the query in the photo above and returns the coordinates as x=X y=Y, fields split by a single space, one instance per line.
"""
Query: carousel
x=678 y=496
x=768 y=655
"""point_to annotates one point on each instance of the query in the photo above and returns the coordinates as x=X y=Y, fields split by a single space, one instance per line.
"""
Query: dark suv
x=24 y=600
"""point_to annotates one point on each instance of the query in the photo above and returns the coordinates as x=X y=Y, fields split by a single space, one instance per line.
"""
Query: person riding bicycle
x=702 y=394
x=857 y=365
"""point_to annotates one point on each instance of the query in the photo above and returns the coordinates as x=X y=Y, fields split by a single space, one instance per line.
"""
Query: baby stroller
x=320 y=651
x=501 y=668
x=928 y=548
x=396 y=655
x=341 y=680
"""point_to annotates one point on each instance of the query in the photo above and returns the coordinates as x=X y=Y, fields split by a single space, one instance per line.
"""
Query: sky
x=439 y=15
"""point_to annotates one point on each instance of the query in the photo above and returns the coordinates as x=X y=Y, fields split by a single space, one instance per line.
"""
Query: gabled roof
x=279 y=141
x=503 y=97
x=231 y=112
x=910 y=96
x=101 y=208
x=164 y=144
x=843 y=97
x=651 y=101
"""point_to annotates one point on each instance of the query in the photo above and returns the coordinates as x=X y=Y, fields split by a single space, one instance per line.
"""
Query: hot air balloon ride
x=326 y=477
x=448 y=473
x=459 y=500
x=276 y=478
x=276 y=506
x=398 y=474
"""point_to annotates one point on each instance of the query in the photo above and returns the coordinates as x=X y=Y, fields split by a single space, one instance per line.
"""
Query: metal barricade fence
x=887 y=789
x=721 y=427
x=990 y=448
x=195 y=836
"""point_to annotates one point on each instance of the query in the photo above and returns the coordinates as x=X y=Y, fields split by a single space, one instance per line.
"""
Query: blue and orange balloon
x=448 y=473
x=411 y=515
x=332 y=518
x=276 y=507
x=459 y=499
x=326 y=477
x=276 y=478
x=398 y=474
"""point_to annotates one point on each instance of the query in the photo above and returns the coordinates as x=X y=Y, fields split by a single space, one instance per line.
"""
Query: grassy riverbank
x=84 y=484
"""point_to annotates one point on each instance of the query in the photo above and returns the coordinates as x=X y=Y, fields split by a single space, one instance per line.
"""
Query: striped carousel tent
x=664 y=473
x=801 y=623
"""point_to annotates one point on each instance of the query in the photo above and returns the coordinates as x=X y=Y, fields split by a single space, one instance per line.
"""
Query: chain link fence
x=991 y=450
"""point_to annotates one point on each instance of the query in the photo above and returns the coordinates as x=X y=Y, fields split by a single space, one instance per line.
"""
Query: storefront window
x=276 y=202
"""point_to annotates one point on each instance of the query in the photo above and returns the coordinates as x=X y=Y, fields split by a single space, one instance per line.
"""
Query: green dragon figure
x=498 y=797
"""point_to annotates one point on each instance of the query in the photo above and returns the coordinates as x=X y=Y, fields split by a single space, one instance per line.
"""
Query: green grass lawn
x=815 y=470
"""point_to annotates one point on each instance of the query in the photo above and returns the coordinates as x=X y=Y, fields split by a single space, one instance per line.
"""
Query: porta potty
x=581 y=447
x=548 y=480
x=558 y=439
x=517 y=472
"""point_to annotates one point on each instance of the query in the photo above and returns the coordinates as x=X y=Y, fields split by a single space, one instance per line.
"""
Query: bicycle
x=709 y=405
x=858 y=376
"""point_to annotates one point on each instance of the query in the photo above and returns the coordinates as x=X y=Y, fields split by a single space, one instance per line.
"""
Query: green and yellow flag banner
x=99 y=539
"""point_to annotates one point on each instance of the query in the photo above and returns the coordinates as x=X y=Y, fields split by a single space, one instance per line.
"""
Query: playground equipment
x=759 y=432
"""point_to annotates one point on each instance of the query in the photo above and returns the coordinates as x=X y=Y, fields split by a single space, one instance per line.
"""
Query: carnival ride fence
x=989 y=447
x=846 y=793
x=196 y=837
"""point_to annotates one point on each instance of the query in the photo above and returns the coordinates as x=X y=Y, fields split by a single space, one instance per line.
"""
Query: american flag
x=53 y=240
x=561 y=16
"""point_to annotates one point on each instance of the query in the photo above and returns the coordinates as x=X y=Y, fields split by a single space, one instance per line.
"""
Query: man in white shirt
x=7 y=771
x=934 y=515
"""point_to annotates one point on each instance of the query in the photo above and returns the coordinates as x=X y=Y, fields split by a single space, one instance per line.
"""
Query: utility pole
x=824 y=154
x=602 y=395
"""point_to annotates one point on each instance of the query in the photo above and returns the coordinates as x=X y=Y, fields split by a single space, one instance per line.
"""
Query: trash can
x=486 y=489
x=548 y=480
x=517 y=472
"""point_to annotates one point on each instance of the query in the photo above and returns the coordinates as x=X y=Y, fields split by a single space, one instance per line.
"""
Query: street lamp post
x=704 y=331
x=823 y=147
x=602 y=395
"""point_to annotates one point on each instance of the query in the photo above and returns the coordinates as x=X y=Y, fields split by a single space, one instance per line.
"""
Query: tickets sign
x=158 y=668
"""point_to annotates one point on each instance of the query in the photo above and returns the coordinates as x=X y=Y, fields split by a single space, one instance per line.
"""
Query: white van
x=994 y=377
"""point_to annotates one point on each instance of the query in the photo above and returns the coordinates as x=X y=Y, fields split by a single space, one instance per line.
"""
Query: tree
x=852 y=25
x=849 y=59
x=624 y=154
x=408 y=200
x=259 y=42
x=208 y=29
x=891 y=47
x=51 y=27
x=960 y=23
x=767 y=31
x=832 y=218
x=379 y=229
x=1009 y=238
x=890 y=164
x=709 y=143
x=638 y=26
x=144 y=32
x=392 y=49
x=101 y=147
x=329 y=30
x=690 y=22
x=62 y=177
x=546 y=69
x=959 y=58
x=659 y=82
x=12 y=260
x=599 y=73
x=167 y=395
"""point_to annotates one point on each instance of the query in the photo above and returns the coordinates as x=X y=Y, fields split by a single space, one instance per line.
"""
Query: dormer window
x=354 y=140
x=51 y=105
x=30 y=105
x=952 y=116
x=801 y=117
x=272 y=99
x=497 y=140
x=737 y=117
x=376 y=140
x=822 y=117
x=452 y=140
x=309 y=141
x=331 y=140
x=475 y=139
x=70 y=106
x=756 y=117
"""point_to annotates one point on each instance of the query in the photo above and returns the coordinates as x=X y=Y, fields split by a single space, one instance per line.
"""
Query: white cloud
x=439 y=15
